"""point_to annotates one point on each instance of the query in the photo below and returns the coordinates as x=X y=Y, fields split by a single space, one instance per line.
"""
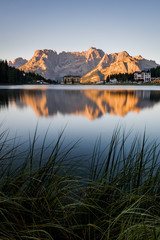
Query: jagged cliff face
x=55 y=66
x=117 y=63
x=18 y=62
x=93 y=65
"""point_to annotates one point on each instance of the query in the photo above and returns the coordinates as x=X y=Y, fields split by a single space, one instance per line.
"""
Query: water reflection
x=89 y=103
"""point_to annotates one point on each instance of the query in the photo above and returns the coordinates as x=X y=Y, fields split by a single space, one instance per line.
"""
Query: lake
x=85 y=113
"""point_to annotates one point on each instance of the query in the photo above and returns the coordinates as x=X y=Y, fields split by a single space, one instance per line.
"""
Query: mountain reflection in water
x=89 y=103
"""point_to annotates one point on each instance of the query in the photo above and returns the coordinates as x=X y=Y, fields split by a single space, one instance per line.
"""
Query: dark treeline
x=121 y=77
x=155 y=72
x=11 y=75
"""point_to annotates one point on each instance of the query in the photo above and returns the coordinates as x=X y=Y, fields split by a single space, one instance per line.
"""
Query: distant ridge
x=18 y=62
x=92 y=65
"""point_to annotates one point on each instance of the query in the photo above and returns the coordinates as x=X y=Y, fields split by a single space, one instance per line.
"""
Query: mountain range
x=92 y=65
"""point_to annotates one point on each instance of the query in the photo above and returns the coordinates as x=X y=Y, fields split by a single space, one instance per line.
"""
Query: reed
x=118 y=198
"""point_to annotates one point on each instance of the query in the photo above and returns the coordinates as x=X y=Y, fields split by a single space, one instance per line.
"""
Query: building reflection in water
x=89 y=103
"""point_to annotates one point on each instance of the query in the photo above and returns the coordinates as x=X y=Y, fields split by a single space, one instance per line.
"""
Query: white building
x=144 y=76
x=114 y=80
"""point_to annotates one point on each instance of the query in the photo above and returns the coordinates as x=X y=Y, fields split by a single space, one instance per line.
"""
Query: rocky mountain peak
x=139 y=57
x=55 y=66
x=93 y=63
x=91 y=49
x=94 y=53
x=122 y=55
x=116 y=63
x=18 y=62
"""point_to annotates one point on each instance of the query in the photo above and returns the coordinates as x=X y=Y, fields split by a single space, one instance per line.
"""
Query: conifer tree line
x=121 y=76
x=155 y=72
x=11 y=75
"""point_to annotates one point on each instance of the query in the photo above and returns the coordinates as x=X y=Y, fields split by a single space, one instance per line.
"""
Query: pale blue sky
x=73 y=25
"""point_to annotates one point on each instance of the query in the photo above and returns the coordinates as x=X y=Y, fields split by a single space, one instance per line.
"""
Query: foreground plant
x=44 y=199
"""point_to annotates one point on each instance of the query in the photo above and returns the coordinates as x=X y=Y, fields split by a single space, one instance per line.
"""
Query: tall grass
x=119 y=197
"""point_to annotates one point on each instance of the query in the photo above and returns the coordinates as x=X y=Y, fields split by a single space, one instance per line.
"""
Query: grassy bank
x=119 y=197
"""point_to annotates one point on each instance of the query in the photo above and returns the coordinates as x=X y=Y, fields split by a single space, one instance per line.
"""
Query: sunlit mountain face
x=89 y=103
x=92 y=65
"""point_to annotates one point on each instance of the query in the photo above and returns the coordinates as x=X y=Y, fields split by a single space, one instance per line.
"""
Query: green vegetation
x=50 y=199
x=121 y=77
x=155 y=72
x=11 y=75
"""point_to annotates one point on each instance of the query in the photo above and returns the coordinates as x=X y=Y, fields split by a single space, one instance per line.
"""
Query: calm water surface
x=85 y=112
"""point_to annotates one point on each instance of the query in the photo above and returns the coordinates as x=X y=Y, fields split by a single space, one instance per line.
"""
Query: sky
x=76 y=25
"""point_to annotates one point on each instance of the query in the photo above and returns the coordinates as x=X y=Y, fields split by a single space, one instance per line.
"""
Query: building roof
x=72 y=76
